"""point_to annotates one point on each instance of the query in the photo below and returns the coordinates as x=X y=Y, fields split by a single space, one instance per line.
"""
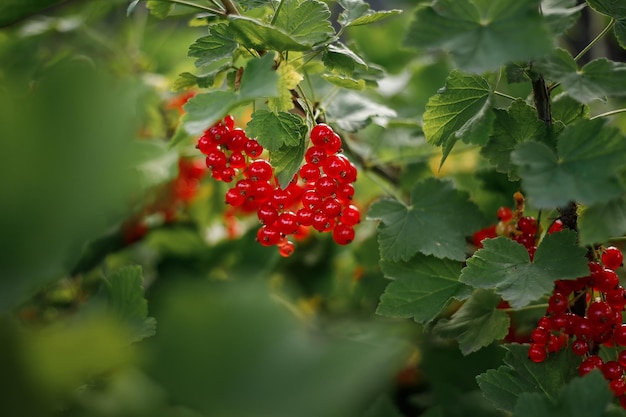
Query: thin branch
x=595 y=40
x=230 y=7
x=280 y=5
x=501 y=94
x=608 y=113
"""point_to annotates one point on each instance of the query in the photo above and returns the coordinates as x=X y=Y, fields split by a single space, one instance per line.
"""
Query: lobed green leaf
x=504 y=265
x=583 y=170
x=435 y=223
x=617 y=10
x=257 y=35
x=459 y=110
x=600 y=222
x=217 y=45
x=481 y=35
x=421 y=288
x=306 y=21
x=477 y=323
x=275 y=130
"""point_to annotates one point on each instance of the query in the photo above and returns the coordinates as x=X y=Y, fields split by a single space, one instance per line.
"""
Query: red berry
x=311 y=199
x=589 y=364
x=229 y=121
x=238 y=140
x=618 y=386
x=219 y=134
x=287 y=223
x=227 y=174
x=216 y=159
x=331 y=207
x=315 y=155
x=345 y=192
x=580 y=347
x=620 y=335
x=599 y=312
x=333 y=145
x=320 y=134
x=484 y=233
x=537 y=353
x=321 y=222
x=237 y=160
x=259 y=170
x=606 y=280
x=351 y=215
x=505 y=214
x=612 y=370
x=280 y=198
x=268 y=235
x=267 y=214
x=335 y=166
x=556 y=226
x=234 y=198
x=309 y=172
x=305 y=216
x=343 y=234
x=253 y=148
x=612 y=257
x=326 y=186
x=558 y=303
x=527 y=225
x=286 y=249
x=540 y=336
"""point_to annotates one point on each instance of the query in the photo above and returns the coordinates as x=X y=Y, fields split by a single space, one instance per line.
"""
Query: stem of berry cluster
x=230 y=7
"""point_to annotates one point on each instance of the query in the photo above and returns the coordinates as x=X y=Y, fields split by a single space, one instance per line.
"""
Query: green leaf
x=504 y=386
x=217 y=45
x=459 y=110
x=345 y=82
x=517 y=124
x=357 y=12
x=601 y=222
x=306 y=21
x=259 y=80
x=275 y=130
x=435 y=223
x=203 y=110
x=567 y=110
x=254 y=34
x=588 y=396
x=477 y=323
x=481 y=35
x=504 y=265
x=351 y=112
x=187 y=80
x=599 y=79
x=126 y=300
x=589 y=155
x=338 y=57
x=560 y=15
x=617 y=10
x=160 y=8
x=156 y=163
x=288 y=159
x=384 y=406
x=423 y=286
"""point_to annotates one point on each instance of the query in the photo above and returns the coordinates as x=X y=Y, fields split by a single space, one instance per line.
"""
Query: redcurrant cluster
x=585 y=314
x=319 y=196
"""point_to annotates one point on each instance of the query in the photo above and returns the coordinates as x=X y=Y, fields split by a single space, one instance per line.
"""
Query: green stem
x=280 y=5
x=230 y=7
x=595 y=40
x=498 y=93
x=530 y=307
x=197 y=6
x=608 y=113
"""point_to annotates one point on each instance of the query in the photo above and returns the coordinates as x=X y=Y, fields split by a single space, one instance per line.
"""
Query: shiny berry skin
x=612 y=257
x=589 y=364
x=321 y=222
x=320 y=134
x=326 y=186
x=558 y=303
x=205 y=145
x=556 y=226
x=345 y=192
x=612 y=370
x=309 y=172
x=268 y=235
x=237 y=160
x=315 y=155
x=505 y=214
x=267 y=214
x=259 y=170
x=351 y=215
x=252 y=148
x=216 y=159
x=333 y=145
x=234 y=198
x=335 y=166
x=238 y=140
x=331 y=207
x=621 y=358
x=287 y=223
x=311 y=199
x=280 y=198
x=527 y=225
x=618 y=386
x=262 y=192
x=228 y=174
x=305 y=216
x=599 y=312
x=343 y=234
x=540 y=336
x=537 y=353
x=606 y=280
x=580 y=347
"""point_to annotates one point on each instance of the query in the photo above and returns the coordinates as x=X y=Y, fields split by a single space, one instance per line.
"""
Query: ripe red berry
x=315 y=155
x=599 y=312
x=589 y=364
x=343 y=234
x=326 y=186
x=305 y=216
x=556 y=226
x=216 y=159
x=580 y=347
x=320 y=134
x=537 y=353
x=286 y=249
x=267 y=214
x=259 y=170
x=351 y=215
x=238 y=140
x=268 y=235
x=612 y=257
x=612 y=370
x=253 y=148
x=505 y=214
x=234 y=197
x=309 y=172
x=620 y=335
x=321 y=222
x=540 y=336
x=287 y=223
x=527 y=225
x=237 y=160
x=558 y=303
x=335 y=166
x=331 y=207
x=311 y=199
